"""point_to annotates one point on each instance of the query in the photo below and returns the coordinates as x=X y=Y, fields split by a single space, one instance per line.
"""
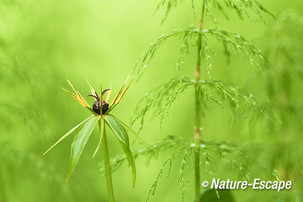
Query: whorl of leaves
x=238 y=45
x=232 y=43
x=233 y=156
x=161 y=98
x=149 y=151
x=169 y=4
x=212 y=91
x=181 y=157
x=145 y=58
x=241 y=7
x=179 y=153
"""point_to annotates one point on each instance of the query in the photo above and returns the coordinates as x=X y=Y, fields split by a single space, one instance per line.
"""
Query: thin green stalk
x=197 y=136
x=108 y=173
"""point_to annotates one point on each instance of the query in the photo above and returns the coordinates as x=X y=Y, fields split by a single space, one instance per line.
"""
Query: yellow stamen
x=101 y=98
x=77 y=96
x=72 y=86
x=122 y=95
x=92 y=90
x=119 y=93
x=109 y=93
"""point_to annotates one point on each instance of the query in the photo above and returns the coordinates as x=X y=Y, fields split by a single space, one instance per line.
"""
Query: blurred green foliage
x=42 y=43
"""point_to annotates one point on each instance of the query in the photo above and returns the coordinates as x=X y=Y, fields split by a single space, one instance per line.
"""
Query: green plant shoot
x=101 y=114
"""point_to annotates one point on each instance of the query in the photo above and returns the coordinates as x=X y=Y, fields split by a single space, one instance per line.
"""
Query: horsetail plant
x=101 y=114
x=206 y=90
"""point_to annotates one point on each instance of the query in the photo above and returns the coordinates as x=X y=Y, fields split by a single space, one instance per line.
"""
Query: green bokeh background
x=42 y=43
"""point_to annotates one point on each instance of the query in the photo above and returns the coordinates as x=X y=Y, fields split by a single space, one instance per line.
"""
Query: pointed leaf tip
x=67 y=134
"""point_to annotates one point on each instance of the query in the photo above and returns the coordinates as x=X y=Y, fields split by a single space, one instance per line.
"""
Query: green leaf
x=79 y=143
x=131 y=130
x=131 y=160
x=122 y=136
x=101 y=125
x=117 y=128
x=67 y=134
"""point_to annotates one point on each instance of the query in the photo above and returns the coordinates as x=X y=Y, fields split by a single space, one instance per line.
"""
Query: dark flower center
x=96 y=105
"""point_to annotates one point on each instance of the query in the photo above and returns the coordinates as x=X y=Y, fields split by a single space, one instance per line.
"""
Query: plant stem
x=197 y=136
x=108 y=173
